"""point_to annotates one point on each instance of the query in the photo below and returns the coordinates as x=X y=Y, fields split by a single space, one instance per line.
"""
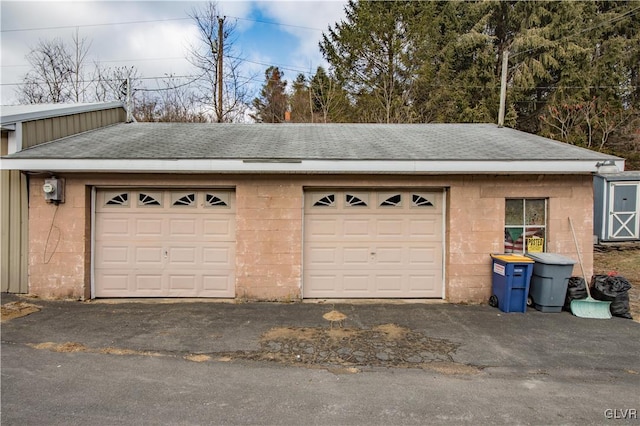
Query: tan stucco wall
x=269 y=239
x=60 y=242
x=270 y=218
x=475 y=225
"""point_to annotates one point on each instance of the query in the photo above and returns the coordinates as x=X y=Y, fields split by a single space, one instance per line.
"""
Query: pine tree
x=370 y=55
x=300 y=101
x=271 y=106
x=573 y=70
x=328 y=99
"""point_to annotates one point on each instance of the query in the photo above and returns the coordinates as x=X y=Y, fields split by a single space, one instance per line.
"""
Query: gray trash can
x=548 y=288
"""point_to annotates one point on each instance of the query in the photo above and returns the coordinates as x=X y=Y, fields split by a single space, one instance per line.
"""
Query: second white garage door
x=161 y=243
x=373 y=244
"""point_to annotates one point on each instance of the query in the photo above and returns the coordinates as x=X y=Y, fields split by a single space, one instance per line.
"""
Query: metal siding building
x=23 y=127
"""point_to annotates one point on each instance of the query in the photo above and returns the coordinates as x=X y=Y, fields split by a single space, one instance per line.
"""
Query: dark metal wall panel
x=599 y=207
x=4 y=229
x=39 y=131
x=14 y=237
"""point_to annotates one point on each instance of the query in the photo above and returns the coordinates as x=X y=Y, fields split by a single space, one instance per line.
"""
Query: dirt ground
x=17 y=309
x=625 y=261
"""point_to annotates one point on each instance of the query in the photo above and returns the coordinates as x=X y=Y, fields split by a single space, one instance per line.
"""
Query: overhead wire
x=162 y=89
x=62 y=27
x=275 y=23
x=194 y=78
x=280 y=66
x=150 y=21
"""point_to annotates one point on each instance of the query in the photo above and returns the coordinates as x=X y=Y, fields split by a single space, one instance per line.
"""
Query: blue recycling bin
x=510 y=282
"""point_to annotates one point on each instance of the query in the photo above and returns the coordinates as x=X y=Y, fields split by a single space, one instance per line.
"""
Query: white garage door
x=161 y=243
x=373 y=244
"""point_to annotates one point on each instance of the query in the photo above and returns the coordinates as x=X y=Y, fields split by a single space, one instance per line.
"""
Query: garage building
x=297 y=211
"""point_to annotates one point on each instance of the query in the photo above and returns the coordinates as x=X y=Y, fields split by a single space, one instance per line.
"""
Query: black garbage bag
x=608 y=287
x=620 y=306
x=576 y=289
x=615 y=289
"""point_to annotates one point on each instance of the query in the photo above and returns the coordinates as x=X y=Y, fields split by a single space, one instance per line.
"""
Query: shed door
x=159 y=243
x=623 y=215
x=373 y=244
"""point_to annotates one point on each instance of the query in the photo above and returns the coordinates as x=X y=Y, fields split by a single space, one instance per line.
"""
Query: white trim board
x=304 y=166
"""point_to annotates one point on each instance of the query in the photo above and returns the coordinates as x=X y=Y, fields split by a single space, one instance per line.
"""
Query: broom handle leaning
x=575 y=241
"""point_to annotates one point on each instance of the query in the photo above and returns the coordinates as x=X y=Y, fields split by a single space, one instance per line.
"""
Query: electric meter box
x=53 y=189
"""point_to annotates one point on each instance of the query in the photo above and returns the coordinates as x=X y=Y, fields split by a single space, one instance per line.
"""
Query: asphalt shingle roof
x=426 y=142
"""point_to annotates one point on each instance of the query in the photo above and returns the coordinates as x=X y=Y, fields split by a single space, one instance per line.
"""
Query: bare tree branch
x=205 y=56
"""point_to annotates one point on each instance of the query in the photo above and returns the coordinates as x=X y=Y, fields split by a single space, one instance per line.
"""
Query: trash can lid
x=551 y=258
x=512 y=258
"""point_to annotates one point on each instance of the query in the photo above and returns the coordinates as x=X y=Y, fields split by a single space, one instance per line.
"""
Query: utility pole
x=503 y=87
x=220 y=52
x=129 y=106
x=125 y=90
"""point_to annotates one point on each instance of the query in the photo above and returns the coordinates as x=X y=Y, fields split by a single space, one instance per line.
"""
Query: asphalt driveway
x=266 y=363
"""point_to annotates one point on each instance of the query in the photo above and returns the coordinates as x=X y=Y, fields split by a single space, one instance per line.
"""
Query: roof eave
x=201 y=166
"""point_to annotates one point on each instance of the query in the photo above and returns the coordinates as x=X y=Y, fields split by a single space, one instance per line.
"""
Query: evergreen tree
x=328 y=99
x=573 y=70
x=300 y=101
x=370 y=55
x=271 y=106
x=593 y=101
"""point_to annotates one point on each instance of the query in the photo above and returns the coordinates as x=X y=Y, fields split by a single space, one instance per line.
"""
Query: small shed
x=616 y=210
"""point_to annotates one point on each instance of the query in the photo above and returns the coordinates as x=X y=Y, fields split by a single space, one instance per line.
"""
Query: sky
x=155 y=36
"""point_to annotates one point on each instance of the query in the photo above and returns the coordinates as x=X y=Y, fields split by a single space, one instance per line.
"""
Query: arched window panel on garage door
x=422 y=200
x=149 y=199
x=323 y=200
x=356 y=199
x=389 y=199
x=116 y=199
x=216 y=199
x=183 y=199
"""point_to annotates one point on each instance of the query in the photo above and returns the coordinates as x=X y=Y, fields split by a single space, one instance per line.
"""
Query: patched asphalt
x=476 y=335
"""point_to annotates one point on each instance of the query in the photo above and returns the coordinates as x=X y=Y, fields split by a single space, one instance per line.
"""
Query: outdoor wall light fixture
x=607 y=166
